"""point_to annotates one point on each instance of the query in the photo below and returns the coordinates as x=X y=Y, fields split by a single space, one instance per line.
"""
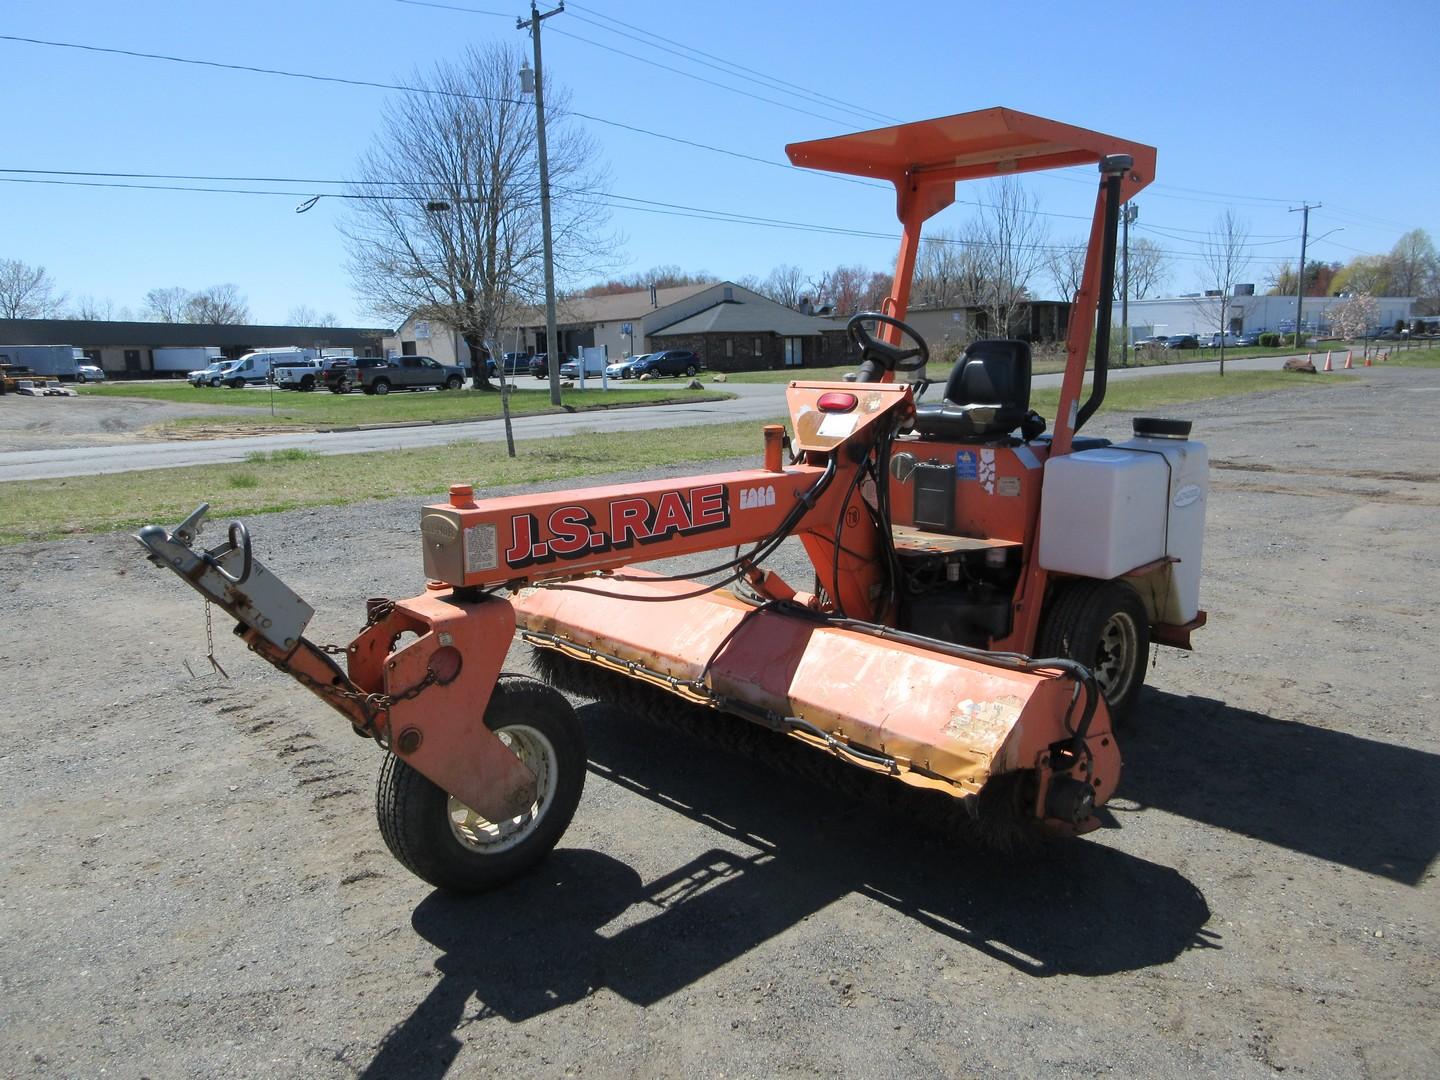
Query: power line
x=779 y=83
x=456 y=7
x=700 y=78
x=135 y=54
x=643 y=60
x=617 y=202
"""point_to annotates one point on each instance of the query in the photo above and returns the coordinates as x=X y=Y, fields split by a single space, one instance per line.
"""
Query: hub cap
x=491 y=837
x=1115 y=657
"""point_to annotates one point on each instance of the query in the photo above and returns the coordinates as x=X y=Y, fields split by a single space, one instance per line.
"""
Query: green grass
x=290 y=479
x=1414 y=358
x=298 y=411
x=287 y=480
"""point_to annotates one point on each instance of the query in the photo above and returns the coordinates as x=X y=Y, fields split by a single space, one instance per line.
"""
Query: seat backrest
x=995 y=371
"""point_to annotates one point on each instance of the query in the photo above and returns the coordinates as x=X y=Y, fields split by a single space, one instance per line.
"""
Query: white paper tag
x=838 y=425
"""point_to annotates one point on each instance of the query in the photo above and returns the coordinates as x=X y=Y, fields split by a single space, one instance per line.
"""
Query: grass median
x=296 y=411
x=291 y=479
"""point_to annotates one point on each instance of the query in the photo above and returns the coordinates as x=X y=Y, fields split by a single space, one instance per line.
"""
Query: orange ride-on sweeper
x=952 y=540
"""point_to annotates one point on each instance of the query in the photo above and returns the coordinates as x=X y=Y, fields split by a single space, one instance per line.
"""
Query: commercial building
x=1246 y=312
x=126 y=349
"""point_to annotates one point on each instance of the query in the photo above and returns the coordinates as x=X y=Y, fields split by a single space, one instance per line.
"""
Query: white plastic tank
x=1105 y=512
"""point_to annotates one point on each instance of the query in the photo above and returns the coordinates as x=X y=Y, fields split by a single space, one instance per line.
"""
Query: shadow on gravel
x=784 y=850
x=1364 y=804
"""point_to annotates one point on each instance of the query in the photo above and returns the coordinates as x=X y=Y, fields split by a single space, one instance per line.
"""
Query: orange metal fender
x=440 y=730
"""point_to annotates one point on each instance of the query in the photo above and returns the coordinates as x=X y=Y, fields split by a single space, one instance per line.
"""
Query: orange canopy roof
x=968 y=146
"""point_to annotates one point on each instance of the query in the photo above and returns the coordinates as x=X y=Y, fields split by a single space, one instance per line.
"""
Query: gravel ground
x=194 y=884
x=60 y=422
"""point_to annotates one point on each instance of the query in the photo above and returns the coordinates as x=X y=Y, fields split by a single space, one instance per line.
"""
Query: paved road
x=752 y=402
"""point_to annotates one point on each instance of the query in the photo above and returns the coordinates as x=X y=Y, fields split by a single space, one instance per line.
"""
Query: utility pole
x=1304 y=209
x=1131 y=212
x=552 y=356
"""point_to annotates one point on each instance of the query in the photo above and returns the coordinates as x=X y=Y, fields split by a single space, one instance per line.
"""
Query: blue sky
x=1257 y=108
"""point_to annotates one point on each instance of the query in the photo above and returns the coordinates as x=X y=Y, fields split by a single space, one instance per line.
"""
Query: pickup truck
x=377 y=375
x=296 y=374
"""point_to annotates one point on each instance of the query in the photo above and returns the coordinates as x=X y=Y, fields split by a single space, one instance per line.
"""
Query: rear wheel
x=690 y=371
x=307 y=383
x=381 y=386
x=442 y=841
x=1103 y=625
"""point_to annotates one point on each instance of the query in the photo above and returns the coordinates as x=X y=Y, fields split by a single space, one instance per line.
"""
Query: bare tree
x=1149 y=268
x=1225 y=256
x=455 y=232
x=91 y=308
x=220 y=305
x=949 y=270
x=785 y=285
x=877 y=290
x=305 y=315
x=27 y=292
x=1067 y=270
x=165 y=305
x=845 y=289
x=1012 y=247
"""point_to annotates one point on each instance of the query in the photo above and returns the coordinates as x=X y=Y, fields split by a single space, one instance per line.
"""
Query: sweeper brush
x=984 y=592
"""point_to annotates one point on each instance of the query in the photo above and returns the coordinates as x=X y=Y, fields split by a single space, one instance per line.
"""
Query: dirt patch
x=194 y=884
x=61 y=423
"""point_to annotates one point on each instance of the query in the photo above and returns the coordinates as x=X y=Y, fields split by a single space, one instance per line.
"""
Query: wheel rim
x=1115 y=656
x=491 y=837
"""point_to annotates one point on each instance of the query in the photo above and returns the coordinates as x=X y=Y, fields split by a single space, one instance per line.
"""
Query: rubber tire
x=414 y=814
x=235 y=384
x=690 y=371
x=307 y=383
x=380 y=386
x=1071 y=626
x=454 y=382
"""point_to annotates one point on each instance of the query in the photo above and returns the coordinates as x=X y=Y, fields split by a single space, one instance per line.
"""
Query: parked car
x=1182 y=341
x=89 y=373
x=208 y=376
x=625 y=369
x=335 y=375
x=1214 y=341
x=539 y=365
x=594 y=366
x=514 y=363
x=1250 y=337
x=376 y=375
x=669 y=362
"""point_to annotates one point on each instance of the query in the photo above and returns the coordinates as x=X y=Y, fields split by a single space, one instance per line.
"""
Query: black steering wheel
x=878 y=357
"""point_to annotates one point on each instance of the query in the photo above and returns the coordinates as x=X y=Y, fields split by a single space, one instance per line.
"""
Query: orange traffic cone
x=1348 y=364
x=1368 y=363
x=1327 y=366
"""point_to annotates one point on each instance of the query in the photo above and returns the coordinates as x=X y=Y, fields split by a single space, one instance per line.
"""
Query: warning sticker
x=480 y=549
x=1009 y=485
x=966 y=465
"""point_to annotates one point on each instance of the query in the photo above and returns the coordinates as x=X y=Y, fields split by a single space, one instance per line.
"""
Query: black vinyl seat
x=986 y=397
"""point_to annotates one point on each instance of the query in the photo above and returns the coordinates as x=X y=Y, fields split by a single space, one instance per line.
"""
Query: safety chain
x=372 y=704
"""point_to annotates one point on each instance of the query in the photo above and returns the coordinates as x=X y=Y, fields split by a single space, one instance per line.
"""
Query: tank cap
x=1155 y=427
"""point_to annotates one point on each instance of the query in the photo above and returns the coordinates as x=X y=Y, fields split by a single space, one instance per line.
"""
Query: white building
x=1246 y=313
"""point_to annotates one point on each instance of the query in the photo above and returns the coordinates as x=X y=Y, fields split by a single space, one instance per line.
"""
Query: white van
x=254 y=367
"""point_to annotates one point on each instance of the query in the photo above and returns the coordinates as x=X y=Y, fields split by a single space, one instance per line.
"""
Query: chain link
x=210 y=643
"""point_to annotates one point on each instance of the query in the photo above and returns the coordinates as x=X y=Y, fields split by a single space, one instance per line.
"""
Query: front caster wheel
x=1103 y=625
x=441 y=840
